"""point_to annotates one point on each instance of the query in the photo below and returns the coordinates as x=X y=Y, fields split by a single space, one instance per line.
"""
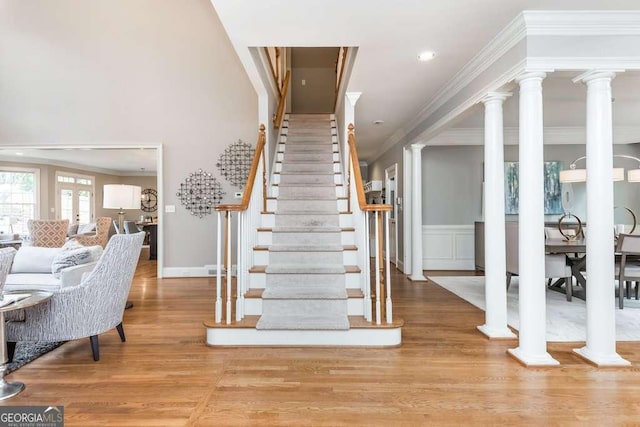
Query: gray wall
x=318 y=93
x=129 y=72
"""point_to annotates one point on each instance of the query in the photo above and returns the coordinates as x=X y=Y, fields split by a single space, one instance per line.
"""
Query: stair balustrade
x=277 y=120
x=248 y=216
x=380 y=288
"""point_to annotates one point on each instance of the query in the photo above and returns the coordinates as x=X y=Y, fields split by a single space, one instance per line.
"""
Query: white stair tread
x=317 y=322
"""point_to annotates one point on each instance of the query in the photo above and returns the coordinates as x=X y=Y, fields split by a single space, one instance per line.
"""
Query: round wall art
x=235 y=163
x=200 y=193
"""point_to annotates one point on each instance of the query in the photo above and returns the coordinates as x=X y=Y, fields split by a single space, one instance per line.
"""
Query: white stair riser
x=279 y=238
x=265 y=238
x=259 y=280
x=285 y=220
x=307 y=179
x=301 y=307
x=262 y=257
x=305 y=258
x=309 y=192
x=311 y=157
x=346 y=220
x=253 y=306
x=307 y=205
x=297 y=279
x=268 y=220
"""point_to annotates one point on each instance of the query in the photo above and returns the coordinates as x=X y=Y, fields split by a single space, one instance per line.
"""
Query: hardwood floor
x=446 y=372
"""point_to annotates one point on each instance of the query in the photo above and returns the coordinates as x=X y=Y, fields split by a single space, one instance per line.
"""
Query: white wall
x=129 y=72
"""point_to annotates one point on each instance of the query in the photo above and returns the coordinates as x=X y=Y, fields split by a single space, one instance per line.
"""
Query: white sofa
x=32 y=269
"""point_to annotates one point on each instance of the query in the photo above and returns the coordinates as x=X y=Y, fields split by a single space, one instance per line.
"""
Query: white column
x=532 y=348
x=350 y=99
x=416 y=213
x=601 y=322
x=406 y=210
x=494 y=228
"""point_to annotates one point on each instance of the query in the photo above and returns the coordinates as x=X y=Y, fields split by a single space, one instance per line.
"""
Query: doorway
x=75 y=199
x=390 y=179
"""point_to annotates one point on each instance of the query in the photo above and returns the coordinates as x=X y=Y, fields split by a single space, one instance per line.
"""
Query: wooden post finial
x=351 y=128
x=262 y=128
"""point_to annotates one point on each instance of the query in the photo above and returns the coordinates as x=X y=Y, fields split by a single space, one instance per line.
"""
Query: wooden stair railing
x=382 y=284
x=244 y=223
x=277 y=120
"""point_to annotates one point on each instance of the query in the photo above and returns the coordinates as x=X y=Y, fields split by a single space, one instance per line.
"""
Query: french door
x=74 y=197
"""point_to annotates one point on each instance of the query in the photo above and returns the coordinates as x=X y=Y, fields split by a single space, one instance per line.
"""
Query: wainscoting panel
x=448 y=247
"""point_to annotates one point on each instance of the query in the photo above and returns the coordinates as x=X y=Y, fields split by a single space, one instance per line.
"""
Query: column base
x=601 y=360
x=417 y=278
x=543 y=359
x=497 y=333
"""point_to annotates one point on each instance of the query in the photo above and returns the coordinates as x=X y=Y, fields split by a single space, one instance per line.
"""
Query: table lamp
x=121 y=196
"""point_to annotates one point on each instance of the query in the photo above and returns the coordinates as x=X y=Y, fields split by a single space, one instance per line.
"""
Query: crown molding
x=530 y=23
x=560 y=135
x=582 y=22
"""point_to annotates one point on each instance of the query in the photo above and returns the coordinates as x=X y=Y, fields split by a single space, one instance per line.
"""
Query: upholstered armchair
x=93 y=307
x=101 y=235
x=6 y=258
x=48 y=233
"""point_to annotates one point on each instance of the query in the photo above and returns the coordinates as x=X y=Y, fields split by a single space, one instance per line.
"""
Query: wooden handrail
x=353 y=154
x=275 y=68
x=340 y=73
x=248 y=189
x=277 y=120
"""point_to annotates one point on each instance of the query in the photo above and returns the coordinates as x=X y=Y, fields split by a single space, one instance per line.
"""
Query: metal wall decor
x=235 y=163
x=200 y=192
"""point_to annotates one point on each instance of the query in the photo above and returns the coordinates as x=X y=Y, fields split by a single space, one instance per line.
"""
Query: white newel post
x=532 y=348
x=494 y=243
x=600 y=347
x=416 y=213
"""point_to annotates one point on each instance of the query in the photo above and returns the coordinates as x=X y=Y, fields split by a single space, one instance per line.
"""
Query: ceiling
x=121 y=161
x=389 y=35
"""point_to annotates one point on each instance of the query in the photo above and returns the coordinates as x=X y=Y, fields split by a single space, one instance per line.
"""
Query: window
x=18 y=198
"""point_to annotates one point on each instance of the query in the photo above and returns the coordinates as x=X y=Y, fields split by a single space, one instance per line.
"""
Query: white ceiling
x=389 y=35
x=122 y=161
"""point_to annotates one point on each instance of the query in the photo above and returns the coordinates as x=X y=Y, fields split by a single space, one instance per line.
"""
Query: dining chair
x=628 y=269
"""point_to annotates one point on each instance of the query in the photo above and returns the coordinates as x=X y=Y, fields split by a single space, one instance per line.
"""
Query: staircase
x=305 y=284
x=305 y=278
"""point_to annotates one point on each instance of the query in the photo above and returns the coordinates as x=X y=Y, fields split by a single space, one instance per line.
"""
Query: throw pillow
x=71 y=244
x=69 y=258
x=87 y=228
x=72 y=230
x=34 y=259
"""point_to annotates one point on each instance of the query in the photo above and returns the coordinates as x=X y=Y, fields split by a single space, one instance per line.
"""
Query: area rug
x=566 y=321
x=28 y=351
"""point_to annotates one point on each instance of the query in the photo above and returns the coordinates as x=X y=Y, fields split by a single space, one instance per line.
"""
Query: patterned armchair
x=100 y=237
x=48 y=233
x=94 y=306
x=6 y=258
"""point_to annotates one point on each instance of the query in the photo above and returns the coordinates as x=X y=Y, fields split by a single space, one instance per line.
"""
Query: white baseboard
x=448 y=247
x=204 y=271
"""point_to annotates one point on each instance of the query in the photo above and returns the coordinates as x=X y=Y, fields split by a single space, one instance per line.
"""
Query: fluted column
x=600 y=348
x=494 y=228
x=416 y=213
x=532 y=348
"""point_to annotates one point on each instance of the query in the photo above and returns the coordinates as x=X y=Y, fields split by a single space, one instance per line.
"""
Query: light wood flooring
x=445 y=373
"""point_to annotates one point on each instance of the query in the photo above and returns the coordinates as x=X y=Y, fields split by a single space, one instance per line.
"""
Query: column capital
x=531 y=75
x=353 y=97
x=418 y=146
x=495 y=96
x=591 y=75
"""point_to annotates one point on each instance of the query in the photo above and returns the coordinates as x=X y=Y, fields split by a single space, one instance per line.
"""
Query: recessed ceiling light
x=19 y=153
x=426 y=56
x=378 y=122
